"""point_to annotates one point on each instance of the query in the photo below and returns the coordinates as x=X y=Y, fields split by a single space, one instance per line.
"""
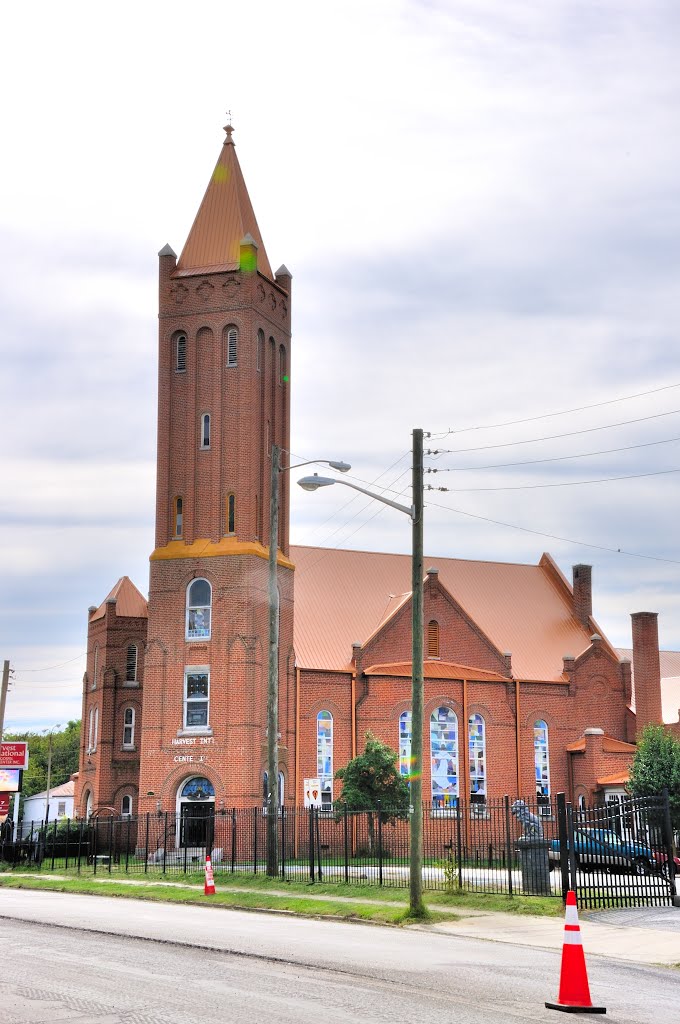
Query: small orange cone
x=574 y=994
x=209 y=887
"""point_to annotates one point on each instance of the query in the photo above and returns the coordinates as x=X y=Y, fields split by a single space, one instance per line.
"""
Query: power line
x=554 y=536
x=550 y=437
x=549 y=415
x=564 y=483
x=51 y=668
x=556 y=458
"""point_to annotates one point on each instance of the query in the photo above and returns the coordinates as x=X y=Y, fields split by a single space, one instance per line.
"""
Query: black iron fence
x=617 y=854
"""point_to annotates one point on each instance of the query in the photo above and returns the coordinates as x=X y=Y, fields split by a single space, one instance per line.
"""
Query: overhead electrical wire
x=563 y=483
x=551 y=437
x=550 y=415
x=555 y=458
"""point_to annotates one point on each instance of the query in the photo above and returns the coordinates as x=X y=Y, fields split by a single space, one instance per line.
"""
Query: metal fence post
x=311 y=843
x=68 y=829
x=165 y=839
x=127 y=845
x=346 y=841
x=80 y=842
x=146 y=846
x=233 y=840
x=283 y=841
x=254 y=840
x=380 y=847
x=571 y=846
x=318 y=845
x=669 y=844
x=459 y=846
x=563 y=843
x=112 y=827
x=508 y=841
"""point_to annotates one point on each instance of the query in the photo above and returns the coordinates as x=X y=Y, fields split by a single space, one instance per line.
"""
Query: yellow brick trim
x=201 y=548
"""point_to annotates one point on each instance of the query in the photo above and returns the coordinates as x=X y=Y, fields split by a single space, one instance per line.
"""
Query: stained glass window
x=542 y=760
x=324 y=756
x=198 y=789
x=444 y=757
x=199 y=600
x=129 y=727
x=405 y=744
x=477 y=758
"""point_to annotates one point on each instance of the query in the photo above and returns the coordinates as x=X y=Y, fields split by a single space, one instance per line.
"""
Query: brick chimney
x=583 y=593
x=646 y=670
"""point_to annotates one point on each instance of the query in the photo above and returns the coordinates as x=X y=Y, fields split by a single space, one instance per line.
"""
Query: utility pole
x=3 y=696
x=273 y=674
x=49 y=778
x=416 y=905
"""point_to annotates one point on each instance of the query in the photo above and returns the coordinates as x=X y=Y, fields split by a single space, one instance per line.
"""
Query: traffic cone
x=574 y=994
x=209 y=887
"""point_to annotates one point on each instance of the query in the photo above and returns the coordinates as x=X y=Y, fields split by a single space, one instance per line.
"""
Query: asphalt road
x=105 y=961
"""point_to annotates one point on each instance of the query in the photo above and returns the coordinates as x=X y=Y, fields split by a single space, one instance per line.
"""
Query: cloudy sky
x=479 y=201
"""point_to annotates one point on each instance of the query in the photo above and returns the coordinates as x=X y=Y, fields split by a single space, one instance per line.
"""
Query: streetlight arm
x=342 y=467
x=311 y=483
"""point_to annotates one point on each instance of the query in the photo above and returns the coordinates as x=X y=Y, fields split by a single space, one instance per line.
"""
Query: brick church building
x=524 y=695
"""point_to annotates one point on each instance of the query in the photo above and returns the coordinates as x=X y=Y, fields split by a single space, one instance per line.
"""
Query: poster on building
x=13 y=755
x=312 y=792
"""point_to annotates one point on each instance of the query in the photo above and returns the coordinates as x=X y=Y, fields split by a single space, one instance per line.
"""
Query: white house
x=61 y=805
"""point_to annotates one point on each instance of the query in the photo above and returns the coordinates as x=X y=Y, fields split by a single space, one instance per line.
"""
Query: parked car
x=600 y=847
x=661 y=863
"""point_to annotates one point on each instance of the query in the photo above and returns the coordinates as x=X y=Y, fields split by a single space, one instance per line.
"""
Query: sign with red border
x=13 y=755
x=4 y=803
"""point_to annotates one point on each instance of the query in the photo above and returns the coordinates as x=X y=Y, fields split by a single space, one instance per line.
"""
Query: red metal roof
x=609 y=745
x=342 y=597
x=129 y=601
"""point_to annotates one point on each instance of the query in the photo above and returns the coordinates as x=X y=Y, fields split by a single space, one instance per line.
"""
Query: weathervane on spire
x=228 y=129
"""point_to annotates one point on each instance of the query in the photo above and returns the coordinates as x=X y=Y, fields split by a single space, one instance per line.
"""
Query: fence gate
x=620 y=854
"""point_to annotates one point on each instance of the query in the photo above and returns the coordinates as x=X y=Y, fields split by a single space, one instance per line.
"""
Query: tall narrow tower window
x=129 y=728
x=181 y=352
x=542 y=762
x=199 y=602
x=260 y=351
x=131 y=665
x=477 y=758
x=324 y=756
x=205 y=430
x=231 y=335
x=405 y=744
x=231 y=513
x=282 y=365
x=433 y=639
x=178 y=517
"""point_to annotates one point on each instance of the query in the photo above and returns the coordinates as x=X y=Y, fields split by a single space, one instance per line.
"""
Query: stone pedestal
x=535 y=866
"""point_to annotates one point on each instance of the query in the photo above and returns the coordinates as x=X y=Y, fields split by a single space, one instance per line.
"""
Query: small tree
x=656 y=765
x=371 y=782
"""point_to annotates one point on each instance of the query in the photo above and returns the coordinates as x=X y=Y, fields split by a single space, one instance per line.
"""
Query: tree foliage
x=371 y=781
x=656 y=766
x=65 y=755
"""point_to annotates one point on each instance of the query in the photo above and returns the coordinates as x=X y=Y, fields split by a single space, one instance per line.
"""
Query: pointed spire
x=224 y=218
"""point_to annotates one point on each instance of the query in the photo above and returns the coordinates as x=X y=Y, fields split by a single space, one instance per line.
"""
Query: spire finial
x=228 y=129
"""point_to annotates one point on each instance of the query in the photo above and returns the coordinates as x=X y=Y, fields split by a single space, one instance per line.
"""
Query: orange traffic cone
x=574 y=994
x=209 y=887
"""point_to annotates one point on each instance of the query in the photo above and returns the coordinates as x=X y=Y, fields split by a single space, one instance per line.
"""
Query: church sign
x=13 y=755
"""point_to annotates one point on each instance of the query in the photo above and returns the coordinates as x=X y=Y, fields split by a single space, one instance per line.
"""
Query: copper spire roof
x=224 y=218
x=128 y=601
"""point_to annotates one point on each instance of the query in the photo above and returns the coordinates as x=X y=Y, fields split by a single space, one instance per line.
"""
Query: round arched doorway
x=196 y=810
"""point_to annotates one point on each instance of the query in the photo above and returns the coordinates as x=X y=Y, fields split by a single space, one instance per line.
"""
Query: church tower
x=223 y=400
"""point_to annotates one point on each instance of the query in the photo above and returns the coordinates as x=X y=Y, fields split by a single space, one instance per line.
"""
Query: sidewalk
x=645 y=935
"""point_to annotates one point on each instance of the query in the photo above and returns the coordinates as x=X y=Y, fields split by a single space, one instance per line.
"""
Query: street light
x=273 y=665
x=415 y=513
x=48 y=733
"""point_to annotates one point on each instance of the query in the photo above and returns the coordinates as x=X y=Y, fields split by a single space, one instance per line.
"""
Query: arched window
x=433 y=639
x=405 y=744
x=181 y=353
x=324 y=756
x=542 y=761
x=88 y=805
x=131 y=664
x=178 y=517
x=259 y=355
x=126 y=806
x=199 y=601
x=477 y=758
x=93 y=729
x=231 y=513
x=265 y=790
x=95 y=666
x=205 y=430
x=444 y=757
x=196 y=697
x=129 y=728
x=282 y=365
x=231 y=339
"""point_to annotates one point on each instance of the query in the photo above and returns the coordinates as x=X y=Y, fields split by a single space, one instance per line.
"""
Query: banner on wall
x=312 y=792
